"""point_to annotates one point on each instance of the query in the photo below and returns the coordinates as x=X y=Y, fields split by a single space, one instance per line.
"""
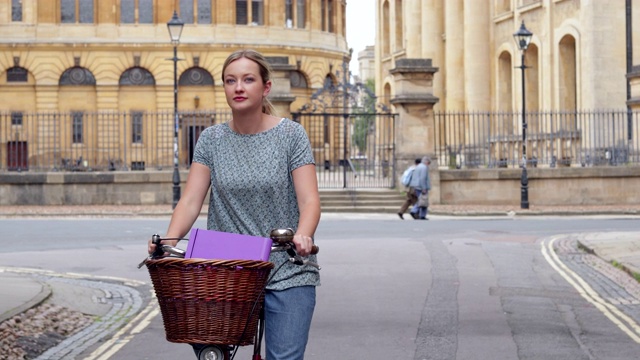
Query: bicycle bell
x=281 y=235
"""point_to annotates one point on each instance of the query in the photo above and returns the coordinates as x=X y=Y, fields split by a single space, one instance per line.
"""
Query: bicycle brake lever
x=144 y=261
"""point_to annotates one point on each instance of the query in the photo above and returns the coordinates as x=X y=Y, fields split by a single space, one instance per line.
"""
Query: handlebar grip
x=314 y=249
x=158 y=252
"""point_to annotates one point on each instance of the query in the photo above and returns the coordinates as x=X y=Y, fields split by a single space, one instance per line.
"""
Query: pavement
x=20 y=291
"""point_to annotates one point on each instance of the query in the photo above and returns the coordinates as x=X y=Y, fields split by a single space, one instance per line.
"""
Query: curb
x=631 y=270
x=44 y=294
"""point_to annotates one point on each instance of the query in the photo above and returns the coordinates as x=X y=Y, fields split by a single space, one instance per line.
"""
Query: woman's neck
x=252 y=124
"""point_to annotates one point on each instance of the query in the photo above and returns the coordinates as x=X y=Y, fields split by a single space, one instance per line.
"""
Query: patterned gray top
x=252 y=188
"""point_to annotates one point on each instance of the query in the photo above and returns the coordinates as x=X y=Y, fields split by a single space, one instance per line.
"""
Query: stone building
x=86 y=57
x=580 y=59
x=577 y=58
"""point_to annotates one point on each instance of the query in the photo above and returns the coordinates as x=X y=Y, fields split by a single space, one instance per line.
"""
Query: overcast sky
x=361 y=28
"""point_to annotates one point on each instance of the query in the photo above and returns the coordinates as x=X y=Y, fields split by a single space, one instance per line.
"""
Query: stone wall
x=562 y=186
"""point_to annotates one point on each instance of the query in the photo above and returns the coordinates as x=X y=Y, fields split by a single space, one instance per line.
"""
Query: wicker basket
x=209 y=301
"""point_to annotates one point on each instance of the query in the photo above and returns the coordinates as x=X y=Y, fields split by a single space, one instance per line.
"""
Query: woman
x=262 y=176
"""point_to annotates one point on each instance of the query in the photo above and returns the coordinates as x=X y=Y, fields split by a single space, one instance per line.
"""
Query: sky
x=361 y=28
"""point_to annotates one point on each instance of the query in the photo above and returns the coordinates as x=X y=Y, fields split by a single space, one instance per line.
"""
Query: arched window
x=17 y=74
x=77 y=76
x=298 y=80
x=398 y=26
x=196 y=76
x=329 y=82
x=137 y=76
x=567 y=73
x=385 y=29
x=505 y=88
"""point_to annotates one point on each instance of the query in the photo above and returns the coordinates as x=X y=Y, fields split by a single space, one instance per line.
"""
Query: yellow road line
x=119 y=340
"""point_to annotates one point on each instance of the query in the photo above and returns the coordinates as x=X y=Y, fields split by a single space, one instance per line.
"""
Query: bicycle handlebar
x=282 y=241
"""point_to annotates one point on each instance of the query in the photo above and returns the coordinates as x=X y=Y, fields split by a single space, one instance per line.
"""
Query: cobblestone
x=50 y=331
x=614 y=285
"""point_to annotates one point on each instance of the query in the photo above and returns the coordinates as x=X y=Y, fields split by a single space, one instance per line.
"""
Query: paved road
x=441 y=289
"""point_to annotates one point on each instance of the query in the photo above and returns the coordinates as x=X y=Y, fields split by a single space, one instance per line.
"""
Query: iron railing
x=85 y=141
x=351 y=150
x=553 y=138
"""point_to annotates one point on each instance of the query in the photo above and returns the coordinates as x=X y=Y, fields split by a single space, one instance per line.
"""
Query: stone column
x=454 y=56
x=413 y=44
x=280 y=95
x=415 y=127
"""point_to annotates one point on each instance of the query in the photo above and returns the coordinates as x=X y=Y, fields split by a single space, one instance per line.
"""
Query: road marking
x=119 y=340
x=68 y=275
x=625 y=323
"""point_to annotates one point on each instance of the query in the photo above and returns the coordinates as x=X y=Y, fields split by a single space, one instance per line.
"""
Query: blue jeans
x=421 y=211
x=288 y=316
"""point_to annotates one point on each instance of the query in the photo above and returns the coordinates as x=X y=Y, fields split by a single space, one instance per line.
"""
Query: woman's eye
x=229 y=81
x=249 y=80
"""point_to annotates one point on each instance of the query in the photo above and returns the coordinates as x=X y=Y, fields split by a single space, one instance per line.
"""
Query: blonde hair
x=264 y=67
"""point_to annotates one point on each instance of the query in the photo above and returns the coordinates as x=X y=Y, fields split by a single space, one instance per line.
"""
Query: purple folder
x=209 y=244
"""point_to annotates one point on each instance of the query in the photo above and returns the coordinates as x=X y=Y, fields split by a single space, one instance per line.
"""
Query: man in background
x=422 y=184
x=412 y=198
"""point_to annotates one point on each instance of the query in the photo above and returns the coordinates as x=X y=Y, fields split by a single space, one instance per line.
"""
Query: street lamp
x=523 y=38
x=175 y=26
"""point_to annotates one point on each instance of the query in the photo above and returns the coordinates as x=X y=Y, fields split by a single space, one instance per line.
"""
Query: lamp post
x=523 y=38
x=175 y=26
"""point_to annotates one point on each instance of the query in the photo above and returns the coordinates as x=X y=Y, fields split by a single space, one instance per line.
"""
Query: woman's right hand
x=151 y=247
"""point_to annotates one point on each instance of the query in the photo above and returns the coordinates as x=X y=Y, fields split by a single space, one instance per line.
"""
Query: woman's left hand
x=303 y=244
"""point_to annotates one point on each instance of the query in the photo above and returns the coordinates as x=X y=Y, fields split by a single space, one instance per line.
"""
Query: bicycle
x=222 y=348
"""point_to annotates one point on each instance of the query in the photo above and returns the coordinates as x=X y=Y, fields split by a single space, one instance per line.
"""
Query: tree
x=365 y=115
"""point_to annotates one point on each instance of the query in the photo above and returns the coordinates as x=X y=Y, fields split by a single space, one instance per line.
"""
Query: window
x=257 y=12
x=136 y=127
x=196 y=76
x=295 y=13
x=142 y=9
x=297 y=80
x=189 y=8
x=241 y=12
x=16 y=10
x=327 y=15
x=77 y=76
x=76 y=11
x=204 y=11
x=16 y=117
x=137 y=76
x=330 y=15
x=77 y=127
x=17 y=74
x=186 y=11
x=255 y=17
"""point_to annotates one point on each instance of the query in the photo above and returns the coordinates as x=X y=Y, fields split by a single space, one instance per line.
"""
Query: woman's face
x=243 y=86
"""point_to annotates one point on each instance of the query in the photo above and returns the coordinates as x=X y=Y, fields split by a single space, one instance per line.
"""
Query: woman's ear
x=267 y=88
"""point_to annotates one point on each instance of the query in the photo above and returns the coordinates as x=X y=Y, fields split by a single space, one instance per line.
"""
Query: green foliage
x=364 y=121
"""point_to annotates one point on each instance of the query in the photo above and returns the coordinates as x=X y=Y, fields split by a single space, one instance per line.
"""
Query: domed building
x=90 y=84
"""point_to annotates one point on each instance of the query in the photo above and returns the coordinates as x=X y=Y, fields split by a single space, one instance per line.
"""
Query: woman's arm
x=190 y=204
x=306 y=187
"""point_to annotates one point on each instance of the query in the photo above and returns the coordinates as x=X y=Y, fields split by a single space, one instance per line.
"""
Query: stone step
x=361 y=201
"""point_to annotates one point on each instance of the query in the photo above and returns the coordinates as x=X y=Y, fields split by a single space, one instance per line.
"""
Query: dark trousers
x=411 y=199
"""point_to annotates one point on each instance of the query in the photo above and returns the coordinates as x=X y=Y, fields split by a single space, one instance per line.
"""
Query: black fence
x=351 y=150
x=98 y=141
x=553 y=138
